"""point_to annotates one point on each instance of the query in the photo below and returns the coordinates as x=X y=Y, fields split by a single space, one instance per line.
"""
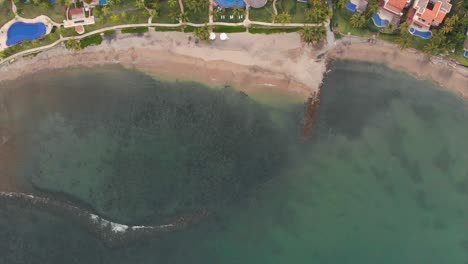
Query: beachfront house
x=357 y=5
x=78 y=17
x=390 y=11
x=427 y=13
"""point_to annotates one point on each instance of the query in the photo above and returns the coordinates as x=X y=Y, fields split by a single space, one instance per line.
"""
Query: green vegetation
x=271 y=30
x=168 y=29
x=313 y=35
x=197 y=10
x=73 y=44
x=135 y=30
x=282 y=18
x=5 y=13
x=229 y=29
x=203 y=33
x=109 y=32
x=294 y=8
x=189 y=29
x=30 y=44
x=262 y=14
x=91 y=41
x=34 y=8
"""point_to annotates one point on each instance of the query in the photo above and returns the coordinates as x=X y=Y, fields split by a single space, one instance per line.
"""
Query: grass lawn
x=271 y=30
x=198 y=17
x=166 y=29
x=135 y=30
x=29 y=10
x=133 y=15
x=263 y=14
x=163 y=14
x=227 y=29
x=5 y=13
x=341 y=19
x=294 y=8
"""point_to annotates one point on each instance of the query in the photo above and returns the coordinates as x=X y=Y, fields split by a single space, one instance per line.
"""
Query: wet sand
x=446 y=74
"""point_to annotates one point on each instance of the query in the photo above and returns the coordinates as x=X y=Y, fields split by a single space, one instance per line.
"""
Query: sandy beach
x=447 y=75
x=245 y=61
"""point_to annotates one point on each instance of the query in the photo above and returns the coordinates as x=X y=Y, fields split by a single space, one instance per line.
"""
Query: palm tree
x=372 y=8
x=313 y=34
x=357 y=20
x=317 y=15
x=196 y=6
x=340 y=4
x=404 y=40
x=450 y=23
x=203 y=33
x=237 y=11
x=282 y=18
x=431 y=48
x=73 y=44
x=183 y=17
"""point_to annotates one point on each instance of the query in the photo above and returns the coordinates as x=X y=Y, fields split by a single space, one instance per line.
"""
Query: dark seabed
x=384 y=178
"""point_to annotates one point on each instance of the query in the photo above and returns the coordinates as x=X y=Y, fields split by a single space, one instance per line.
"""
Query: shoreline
x=445 y=74
x=245 y=61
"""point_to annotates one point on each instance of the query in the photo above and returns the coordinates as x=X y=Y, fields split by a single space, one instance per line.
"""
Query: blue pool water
x=20 y=31
x=231 y=3
x=379 y=22
x=103 y=2
x=466 y=54
x=351 y=7
x=421 y=34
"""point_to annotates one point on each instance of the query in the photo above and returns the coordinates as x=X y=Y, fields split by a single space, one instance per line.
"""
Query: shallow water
x=383 y=180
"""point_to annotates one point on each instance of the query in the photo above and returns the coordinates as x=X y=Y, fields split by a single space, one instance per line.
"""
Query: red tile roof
x=396 y=6
x=76 y=11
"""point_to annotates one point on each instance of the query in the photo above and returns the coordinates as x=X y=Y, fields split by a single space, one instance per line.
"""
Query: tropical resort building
x=357 y=5
x=81 y=15
x=78 y=17
x=427 y=13
x=390 y=12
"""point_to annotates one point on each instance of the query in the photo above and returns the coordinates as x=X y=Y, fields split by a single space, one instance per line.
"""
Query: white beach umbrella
x=223 y=36
x=212 y=35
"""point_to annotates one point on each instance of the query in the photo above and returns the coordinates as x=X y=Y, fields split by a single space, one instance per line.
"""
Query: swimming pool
x=231 y=3
x=421 y=34
x=351 y=7
x=20 y=31
x=466 y=54
x=379 y=22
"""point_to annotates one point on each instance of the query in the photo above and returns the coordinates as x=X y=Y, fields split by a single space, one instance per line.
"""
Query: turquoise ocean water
x=383 y=179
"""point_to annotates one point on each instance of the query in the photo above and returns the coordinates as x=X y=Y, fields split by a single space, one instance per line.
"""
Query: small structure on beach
x=428 y=13
x=223 y=36
x=212 y=36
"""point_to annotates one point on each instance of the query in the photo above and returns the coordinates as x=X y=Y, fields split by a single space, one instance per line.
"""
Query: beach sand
x=447 y=75
x=245 y=61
